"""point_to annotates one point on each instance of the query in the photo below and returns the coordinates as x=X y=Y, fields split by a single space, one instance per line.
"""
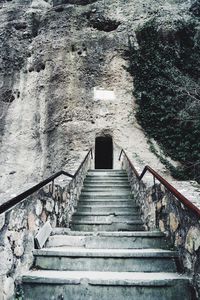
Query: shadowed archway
x=104 y=153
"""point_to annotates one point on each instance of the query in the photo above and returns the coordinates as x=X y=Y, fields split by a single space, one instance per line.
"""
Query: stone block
x=49 y=205
x=65 y=196
x=178 y=240
x=7 y=288
x=159 y=206
x=187 y=261
x=164 y=201
x=38 y=208
x=31 y=222
x=43 y=216
x=56 y=208
x=6 y=259
x=173 y=222
x=19 y=250
x=192 y=242
x=18 y=219
x=161 y=226
x=17 y=241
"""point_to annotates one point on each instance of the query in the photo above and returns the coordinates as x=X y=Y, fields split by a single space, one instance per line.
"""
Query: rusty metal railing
x=21 y=197
x=163 y=181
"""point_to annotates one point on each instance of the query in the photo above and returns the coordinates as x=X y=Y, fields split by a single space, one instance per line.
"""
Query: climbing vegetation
x=165 y=64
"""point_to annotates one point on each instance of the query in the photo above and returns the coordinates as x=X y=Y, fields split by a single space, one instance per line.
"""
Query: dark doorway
x=103 y=153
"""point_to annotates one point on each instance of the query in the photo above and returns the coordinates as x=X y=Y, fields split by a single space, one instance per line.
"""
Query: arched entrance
x=104 y=152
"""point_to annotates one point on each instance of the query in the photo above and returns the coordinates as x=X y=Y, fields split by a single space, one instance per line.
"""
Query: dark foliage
x=166 y=70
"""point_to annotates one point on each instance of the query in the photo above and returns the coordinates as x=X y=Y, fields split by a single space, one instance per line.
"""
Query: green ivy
x=166 y=70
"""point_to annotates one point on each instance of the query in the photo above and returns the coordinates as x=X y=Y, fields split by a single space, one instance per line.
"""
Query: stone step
x=106 y=173
x=104 y=188
x=107 y=191
x=46 y=285
x=106 y=170
x=107 y=226
x=114 y=260
x=106 y=198
x=107 y=209
x=106 y=194
x=106 y=213
x=138 y=221
x=107 y=240
x=107 y=178
x=106 y=182
x=104 y=218
x=106 y=202
x=101 y=188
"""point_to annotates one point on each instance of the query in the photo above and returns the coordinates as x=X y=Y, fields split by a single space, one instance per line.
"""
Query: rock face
x=53 y=55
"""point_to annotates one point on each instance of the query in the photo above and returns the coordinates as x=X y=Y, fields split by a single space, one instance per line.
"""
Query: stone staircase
x=107 y=253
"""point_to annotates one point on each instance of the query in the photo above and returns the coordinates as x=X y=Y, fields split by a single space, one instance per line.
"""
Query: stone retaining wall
x=19 y=226
x=161 y=210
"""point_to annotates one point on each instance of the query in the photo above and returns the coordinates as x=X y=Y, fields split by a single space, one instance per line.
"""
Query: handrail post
x=121 y=154
x=154 y=186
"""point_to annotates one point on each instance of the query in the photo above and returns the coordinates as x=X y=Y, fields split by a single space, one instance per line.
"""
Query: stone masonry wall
x=19 y=226
x=161 y=210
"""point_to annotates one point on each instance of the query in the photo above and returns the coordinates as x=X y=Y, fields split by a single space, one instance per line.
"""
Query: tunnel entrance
x=104 y=153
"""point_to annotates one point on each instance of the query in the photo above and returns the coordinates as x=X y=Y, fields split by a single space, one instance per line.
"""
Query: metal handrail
x=19 y=198
x=174 y=191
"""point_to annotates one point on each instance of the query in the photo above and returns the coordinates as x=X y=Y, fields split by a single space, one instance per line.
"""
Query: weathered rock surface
x=52 y=57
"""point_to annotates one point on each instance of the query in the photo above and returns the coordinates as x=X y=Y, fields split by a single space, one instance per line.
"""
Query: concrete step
x=52 y=285
x=105 y=202
x=104 y=188
x=104 y=218
x=107 y=226
x=106 y=182
x=115 y=260
x=106 y=194
x=107 y=199
x=106 y=213
x=104 y=222
x=107 y=178
x=107 y=240
x=106 y=170
x=106 y=173
x=107 y=209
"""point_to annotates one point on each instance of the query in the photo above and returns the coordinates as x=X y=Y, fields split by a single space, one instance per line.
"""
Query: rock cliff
x=54 y=56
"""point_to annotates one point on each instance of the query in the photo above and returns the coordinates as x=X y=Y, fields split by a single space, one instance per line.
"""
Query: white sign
x=101 y=94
